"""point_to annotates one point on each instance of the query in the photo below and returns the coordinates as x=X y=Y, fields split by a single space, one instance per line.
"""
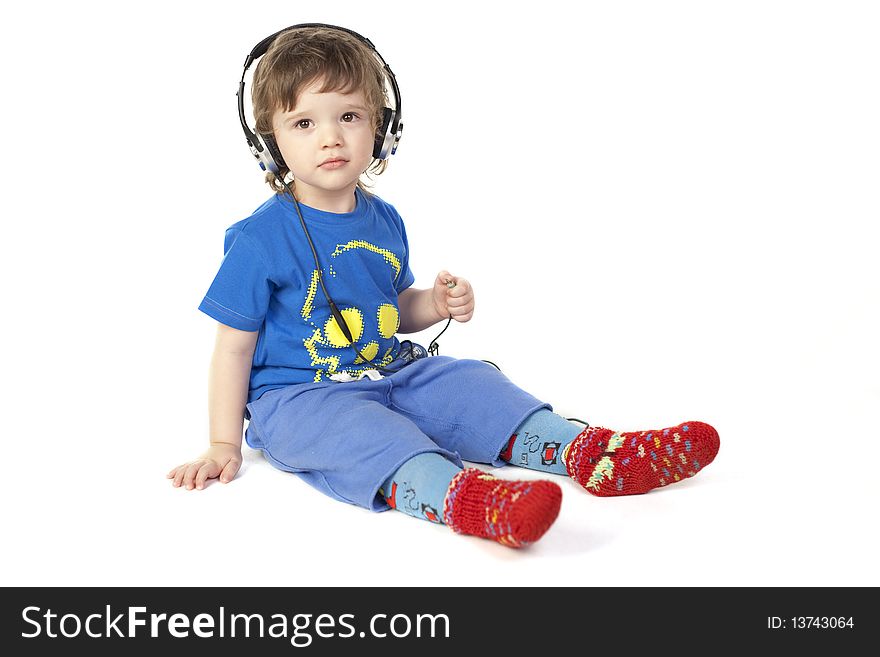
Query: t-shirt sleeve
x=406 y=278
x=239 y=295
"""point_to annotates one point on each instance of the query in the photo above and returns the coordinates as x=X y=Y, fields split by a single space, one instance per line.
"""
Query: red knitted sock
x=608 y=463
x=513 y=513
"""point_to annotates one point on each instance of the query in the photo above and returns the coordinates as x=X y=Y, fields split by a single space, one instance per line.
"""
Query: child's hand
x=220 y=460
x=457 y=301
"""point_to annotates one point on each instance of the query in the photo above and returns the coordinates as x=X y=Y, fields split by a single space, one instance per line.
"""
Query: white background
x=667 y=211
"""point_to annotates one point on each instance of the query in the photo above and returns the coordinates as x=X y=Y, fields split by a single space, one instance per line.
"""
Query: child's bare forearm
x=417 y=311
x=227 y=395
x=228 y=384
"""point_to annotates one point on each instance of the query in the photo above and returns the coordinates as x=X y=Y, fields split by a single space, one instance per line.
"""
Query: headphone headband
x=263 y=147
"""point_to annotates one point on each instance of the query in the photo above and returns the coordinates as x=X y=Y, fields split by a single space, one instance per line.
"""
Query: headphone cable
x=340 y=320
x=434 y=348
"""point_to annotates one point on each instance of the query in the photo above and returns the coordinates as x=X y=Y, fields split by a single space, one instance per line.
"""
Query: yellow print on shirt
x=390 y=258
x=324 y=341
x=310 y=295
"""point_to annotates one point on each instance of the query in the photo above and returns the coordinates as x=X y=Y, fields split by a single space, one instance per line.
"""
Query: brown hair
x=303 y=55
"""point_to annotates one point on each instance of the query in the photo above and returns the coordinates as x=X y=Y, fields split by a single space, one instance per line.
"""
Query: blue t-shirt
x=267 y=282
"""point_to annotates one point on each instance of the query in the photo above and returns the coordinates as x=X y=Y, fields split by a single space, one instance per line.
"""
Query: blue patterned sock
x=419 y=486
x=540 y=441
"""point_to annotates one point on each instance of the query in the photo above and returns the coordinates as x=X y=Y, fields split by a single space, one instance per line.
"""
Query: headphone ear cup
x=380 y=150
x=273 y=152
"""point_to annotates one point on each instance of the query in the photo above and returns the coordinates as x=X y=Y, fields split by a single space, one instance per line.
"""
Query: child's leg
x=607 y=462
x=348 y=449
x=539 y=442
x=418 y=487
x=470 y=501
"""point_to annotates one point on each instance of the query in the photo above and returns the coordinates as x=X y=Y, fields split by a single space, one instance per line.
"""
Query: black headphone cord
x=340 y=320
x=434 y=348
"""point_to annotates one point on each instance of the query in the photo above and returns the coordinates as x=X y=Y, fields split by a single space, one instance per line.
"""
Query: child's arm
x=420 y=309
x=227 y=397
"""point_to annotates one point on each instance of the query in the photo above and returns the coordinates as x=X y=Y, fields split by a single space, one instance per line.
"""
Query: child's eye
x=303 y=123
x=348 y=117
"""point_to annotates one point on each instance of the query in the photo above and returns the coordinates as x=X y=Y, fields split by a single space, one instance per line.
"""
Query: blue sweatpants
x=345 y=439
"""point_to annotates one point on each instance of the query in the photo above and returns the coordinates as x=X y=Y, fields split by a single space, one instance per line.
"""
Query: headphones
x=263 y=146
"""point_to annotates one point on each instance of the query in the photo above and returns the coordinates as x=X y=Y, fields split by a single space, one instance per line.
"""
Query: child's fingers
x=209 y=469
x=195 y=474
x=460 y=307
x=189 y=476
x=179 y=472
x=229 y=471
x=444 y=278
x=462 y=288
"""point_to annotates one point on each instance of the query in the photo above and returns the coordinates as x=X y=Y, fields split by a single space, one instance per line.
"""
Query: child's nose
x=331 y=135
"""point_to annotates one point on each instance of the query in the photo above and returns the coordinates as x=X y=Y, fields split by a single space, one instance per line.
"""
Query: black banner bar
x=427 y=621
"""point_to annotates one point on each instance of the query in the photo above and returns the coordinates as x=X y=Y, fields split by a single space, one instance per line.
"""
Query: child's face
x=327 y=141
